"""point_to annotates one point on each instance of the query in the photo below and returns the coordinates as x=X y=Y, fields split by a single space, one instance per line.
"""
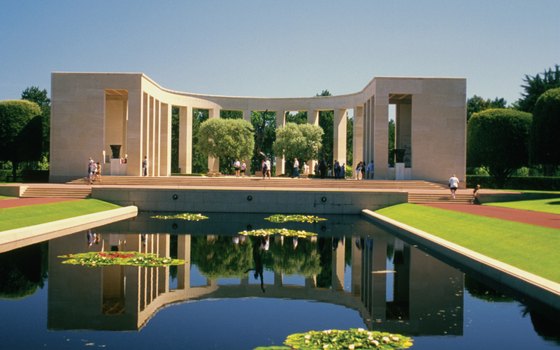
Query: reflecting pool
x=240 y=292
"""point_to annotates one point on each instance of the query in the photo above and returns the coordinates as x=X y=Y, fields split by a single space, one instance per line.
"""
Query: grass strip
x=527 y=247
x=549 y=205
x=11 y=218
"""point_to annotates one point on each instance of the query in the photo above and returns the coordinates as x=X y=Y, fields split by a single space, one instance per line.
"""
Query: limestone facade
x=92 y=111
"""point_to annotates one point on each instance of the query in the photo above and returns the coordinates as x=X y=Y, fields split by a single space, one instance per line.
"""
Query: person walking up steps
x=453 y=185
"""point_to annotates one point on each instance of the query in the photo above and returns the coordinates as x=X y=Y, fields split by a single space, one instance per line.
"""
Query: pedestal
x=399 y=171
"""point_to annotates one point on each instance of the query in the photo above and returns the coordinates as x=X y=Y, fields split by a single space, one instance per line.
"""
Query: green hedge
x=545 y=183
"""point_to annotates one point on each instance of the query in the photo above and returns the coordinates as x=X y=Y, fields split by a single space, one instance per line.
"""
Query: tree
x=20 y=132
x=40 y=97
x=302 y=141
x=326 y=122
x=536 y=86
x=545 y=143
x=228 y=139
x=477 y=104
x=498 y=139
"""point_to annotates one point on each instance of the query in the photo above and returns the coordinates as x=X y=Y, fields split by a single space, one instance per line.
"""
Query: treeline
x=522 y=139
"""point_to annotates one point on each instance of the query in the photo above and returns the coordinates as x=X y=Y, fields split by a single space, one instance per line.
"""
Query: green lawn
x=530 y=248
x=11 y=218
x=549 y=205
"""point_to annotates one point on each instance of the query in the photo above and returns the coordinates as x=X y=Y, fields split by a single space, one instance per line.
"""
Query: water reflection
x=393 y=286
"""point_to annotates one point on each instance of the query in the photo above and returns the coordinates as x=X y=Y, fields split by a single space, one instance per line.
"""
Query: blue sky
x=280 y=48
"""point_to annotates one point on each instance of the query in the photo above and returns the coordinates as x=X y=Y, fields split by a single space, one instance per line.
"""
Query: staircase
x=61 y=191
x=431 y=197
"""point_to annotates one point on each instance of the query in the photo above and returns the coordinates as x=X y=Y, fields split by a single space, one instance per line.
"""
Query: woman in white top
x=453 y=185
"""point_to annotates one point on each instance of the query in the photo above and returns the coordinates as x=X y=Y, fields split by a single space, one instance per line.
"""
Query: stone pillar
x=165 y=142
x=339 y=137
x=381 y=136
x=146 y=130
x=403 y=130
x=157 y=138
x=280 y=161
x=185 y=139
x=358 y=135
x=313 y=119
x=151 y=138
x=247 y=117
x=134 y=132
x=213 y=163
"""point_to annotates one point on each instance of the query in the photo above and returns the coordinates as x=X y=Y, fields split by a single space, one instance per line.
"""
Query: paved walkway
x=21 y=202
x=518 y=215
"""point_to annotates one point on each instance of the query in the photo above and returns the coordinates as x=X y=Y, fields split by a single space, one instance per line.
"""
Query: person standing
x=295 y=173
x=453 y=185
x=237 y=167
x=243 y=168
x=268 y=168
x=145 y=166
x=369 y=171
x=90 y=171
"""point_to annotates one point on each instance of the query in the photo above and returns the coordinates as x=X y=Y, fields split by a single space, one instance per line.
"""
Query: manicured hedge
x=545 y=183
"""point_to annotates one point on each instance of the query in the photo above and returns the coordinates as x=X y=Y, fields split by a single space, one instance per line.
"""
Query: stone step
x=56 y=192
x=259 y=182
x=418 y=198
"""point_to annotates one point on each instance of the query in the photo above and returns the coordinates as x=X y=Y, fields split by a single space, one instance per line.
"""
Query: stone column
x=213 y=163
x=313 y=119
x=280 y=161
x=358 y=135
x=339 y=137
x=157 y=138
x=151 y=137
x=134 y=133
x=165 y=142
x=185 y=139
x=247 y=117
x=381 y=136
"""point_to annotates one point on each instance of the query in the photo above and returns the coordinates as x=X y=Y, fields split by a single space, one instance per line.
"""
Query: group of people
x=94 y=171
x=240 y=168
x=364 y=171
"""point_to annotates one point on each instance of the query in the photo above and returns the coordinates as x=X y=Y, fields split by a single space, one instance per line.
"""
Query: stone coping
x=20 y=237
x=527 y=283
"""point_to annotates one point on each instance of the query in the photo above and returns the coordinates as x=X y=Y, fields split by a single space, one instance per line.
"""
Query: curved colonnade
x=92 y=111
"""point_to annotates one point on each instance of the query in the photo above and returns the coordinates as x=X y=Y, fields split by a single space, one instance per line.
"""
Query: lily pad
x=348 y=339
x=278 y=231
x=95 y=259
x=280 y=218
x=181 y=216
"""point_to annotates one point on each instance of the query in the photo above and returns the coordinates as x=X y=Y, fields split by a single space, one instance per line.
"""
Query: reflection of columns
x=380 y=130
x=358 y=135
x=313 y=119
x=379 y=279
x=338 y=266
x=356 y=282
x=165 y=144
x=280 y=161
x=184 y=252
x=339 y=137
x=164 y=248
x=277 y=279
x=213 y=163
x=185 y=139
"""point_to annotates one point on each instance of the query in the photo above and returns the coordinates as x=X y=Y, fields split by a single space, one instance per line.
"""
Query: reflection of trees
x=482 y=291
x=545 y=326
x=325 y=249
x=219 y=257
x=23 y=270
x=302 y=259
